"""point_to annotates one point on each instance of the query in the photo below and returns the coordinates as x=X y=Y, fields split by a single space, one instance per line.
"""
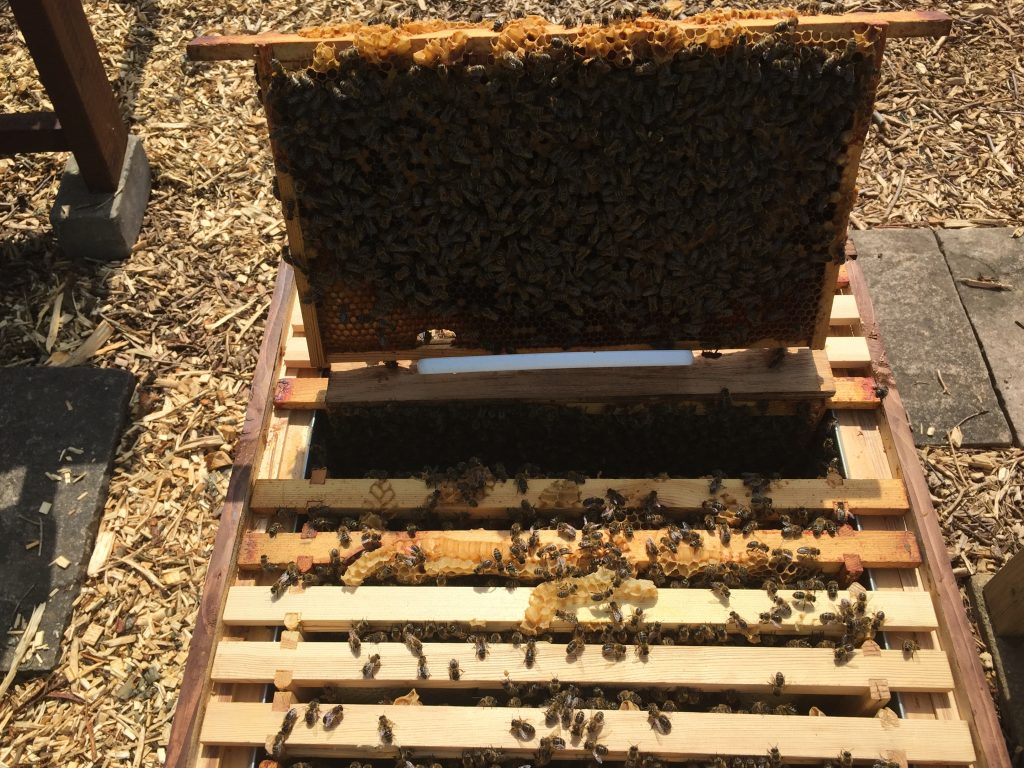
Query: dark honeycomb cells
x=554 y=198
x=641 y=440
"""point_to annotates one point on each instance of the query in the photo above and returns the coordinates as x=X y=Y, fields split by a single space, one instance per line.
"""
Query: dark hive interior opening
x=633 y=184
x=642 y=440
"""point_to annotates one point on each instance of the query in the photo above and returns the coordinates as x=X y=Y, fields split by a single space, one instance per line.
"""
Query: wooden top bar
x=294 y=47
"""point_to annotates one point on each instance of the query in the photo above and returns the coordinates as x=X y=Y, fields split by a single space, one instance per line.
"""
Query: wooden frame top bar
x=294 y=47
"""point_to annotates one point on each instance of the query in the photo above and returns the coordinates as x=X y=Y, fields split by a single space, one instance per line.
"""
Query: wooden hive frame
x=251 y=658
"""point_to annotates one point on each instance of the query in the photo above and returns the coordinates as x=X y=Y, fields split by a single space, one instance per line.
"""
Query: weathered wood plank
x=877 y=549
x=862 y=497
x=802 y=374
x=329 y=609
x=806 y=670
x=447 y=731
x=293 y=47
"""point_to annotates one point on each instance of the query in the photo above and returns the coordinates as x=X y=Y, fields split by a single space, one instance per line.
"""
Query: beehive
x=477 y=616
x=636 y=183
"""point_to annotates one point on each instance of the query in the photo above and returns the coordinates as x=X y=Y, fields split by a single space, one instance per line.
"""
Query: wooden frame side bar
x=293 y=47
x=971 y=692
x=62 y=46
x=195 y=684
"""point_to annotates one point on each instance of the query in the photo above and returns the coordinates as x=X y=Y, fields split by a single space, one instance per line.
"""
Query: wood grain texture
x=291 y=47
x=877 y=549
x=971 y=693
x=328 y=609
x=802 y=374
x=61 y=43
x=446 y=731
x=862 y=497
x=807 y=670
x=195 y=683
x=844 y=311
x=854 y=393
x=847 y=352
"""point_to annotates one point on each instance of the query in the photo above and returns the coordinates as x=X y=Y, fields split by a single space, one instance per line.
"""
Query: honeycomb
x=637 y=182
x=638 y=440
x=544 y=599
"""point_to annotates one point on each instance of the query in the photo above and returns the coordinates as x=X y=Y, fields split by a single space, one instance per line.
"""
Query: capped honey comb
x=637 y=182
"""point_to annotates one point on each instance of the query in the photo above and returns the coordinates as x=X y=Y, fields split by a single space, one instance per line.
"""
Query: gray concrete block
x=102 y=226
x=925 y=329
x=53 y=420
x=1007 y=660
x=994 y=314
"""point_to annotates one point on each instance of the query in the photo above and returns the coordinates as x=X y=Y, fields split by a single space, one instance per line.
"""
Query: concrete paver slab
x=926 y=332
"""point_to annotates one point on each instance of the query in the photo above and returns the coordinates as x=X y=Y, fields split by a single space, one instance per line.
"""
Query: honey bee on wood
x=777 y=683
x=522 y=730
x=385 y=728
x=832 y=588
x=845 y=759
x=454 y=670
x=719 y=590
x=566 y=531
x=312 y=712
x=372 y=666
x=530 y=654
x=738 y=621
x=843 y=653
x=421 y=668
x=481 y=646
x=774 y=757
x=599 y=597
x=333 y=716
x=579 y=722
x=567 y=616
x=615 y=611
x=613 y=651
x=290 y=718
x=599 y=751
x=574 y=648
x=910 y=647
x=658 y=720
x=808 y=552
x=412 y=643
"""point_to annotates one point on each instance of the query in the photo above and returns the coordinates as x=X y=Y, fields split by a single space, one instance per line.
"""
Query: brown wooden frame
x=88 y=119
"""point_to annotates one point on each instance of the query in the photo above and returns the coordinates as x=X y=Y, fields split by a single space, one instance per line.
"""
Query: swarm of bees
x=375 y=159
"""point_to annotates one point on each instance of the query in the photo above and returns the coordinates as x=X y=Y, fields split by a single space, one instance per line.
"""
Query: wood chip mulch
x=185 y=314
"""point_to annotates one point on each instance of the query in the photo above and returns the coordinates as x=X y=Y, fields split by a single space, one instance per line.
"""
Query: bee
x=749 y=527
x=808 y=552
x=615 y=497
x=771 y=587
x=487 y=701
x=413 y=643
x=774 y=757
x=652 y=548
x=522 y=730
x=333 y=716
x=566 y=531
x=782 y=554
x=565 y=589
x=615 y=611
x=277 y=750
x=803 y=598
x=845 y=759
x=599 y=751
x=828 y=618
x=290 y=717
x=567 y=616
x=421 y=668
x=530 y=656
x=659 y=722
x=574 y=648
x=884 y=763
x=738 y=620
x=860 y=607
x=719 y=590
x=843 y=653
x=633 y=757
x=454 y=670
x=372 y=666
x=273 y=529
x=312 y=712
x=482 y=566
x=595 y=724
x=833 y=589
x=695 y=540
x=643 y=649
x=386 y=729
x=579 y=722
x=843 y=517
x=725 y=534
x=777 y=683
x=481 y=646
x=613 y=651
x=522 y=485
x=910 y=647
x=534 y=540
x=265 y=563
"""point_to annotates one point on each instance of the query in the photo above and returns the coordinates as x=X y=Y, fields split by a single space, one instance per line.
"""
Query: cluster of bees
x=640 y=440
x=626 y=184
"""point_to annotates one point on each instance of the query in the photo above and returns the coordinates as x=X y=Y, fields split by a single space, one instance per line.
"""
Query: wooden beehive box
x=256 y=655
